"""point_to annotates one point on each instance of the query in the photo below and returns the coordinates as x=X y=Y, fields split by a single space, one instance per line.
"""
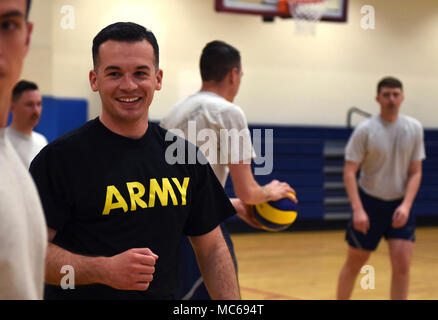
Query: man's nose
x=127 y=83
x=36 y=108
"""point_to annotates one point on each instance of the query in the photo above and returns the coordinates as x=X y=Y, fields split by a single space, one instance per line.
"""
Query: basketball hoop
x=306 y=13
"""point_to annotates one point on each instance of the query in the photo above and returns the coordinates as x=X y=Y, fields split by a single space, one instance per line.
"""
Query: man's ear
x=159 y=76
x=93 y=80
x=28 y=35
x=233 y=75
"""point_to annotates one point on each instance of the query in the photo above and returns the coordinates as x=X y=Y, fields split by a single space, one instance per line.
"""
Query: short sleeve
x=419 y=152
x=356 y=146
x=50 y=184
x=238 y=147
x=210 y=204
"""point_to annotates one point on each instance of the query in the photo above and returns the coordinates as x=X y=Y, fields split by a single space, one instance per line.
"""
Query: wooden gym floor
x=305 y=265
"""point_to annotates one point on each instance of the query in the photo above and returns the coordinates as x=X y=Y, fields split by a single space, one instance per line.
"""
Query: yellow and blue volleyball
x=276 y=215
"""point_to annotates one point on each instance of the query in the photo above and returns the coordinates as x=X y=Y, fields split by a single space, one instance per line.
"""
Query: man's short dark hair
x=125 y=32
x=217 y=59
x=389 y=82
x=22 y=86
x=29 y=2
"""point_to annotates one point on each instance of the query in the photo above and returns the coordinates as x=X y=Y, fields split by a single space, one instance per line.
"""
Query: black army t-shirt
x=104 y=194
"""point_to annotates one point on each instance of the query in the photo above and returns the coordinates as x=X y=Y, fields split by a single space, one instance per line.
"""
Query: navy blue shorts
x=380 y=214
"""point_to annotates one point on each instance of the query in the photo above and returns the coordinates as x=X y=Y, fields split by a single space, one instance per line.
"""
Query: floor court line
x=268 y=295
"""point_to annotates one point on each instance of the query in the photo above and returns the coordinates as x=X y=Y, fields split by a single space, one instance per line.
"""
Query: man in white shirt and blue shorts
x=389 y=149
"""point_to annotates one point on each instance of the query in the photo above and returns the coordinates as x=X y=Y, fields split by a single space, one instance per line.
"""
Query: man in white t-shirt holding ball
x=212 y=109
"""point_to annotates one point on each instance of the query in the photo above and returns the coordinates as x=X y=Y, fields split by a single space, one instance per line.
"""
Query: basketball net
x=306 y=14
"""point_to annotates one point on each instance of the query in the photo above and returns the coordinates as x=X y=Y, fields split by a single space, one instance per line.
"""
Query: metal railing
x=355 y=110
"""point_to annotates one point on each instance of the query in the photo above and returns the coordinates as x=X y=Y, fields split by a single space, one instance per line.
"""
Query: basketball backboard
x=336 y=9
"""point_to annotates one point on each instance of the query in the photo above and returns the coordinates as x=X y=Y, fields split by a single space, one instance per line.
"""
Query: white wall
x=288 y=78
x=38 y=64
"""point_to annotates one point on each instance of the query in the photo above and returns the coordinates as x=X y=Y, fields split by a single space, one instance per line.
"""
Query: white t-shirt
x=26 y=146
x=385 y=151
x=23 y=232
x=217 y=126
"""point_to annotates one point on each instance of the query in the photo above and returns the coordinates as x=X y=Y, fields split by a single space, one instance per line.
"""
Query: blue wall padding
x=61 y=115
x=299 y=160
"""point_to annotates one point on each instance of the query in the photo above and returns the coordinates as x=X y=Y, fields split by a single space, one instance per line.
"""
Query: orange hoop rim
x=284 y=5
x=305 y=1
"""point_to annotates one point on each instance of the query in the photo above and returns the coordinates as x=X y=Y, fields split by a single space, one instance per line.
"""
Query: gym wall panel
x=61 y=115
x=300 y=159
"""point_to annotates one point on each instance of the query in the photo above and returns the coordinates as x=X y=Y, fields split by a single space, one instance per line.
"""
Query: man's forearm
x=352 y=190
x=254 y=194
x=219 y=274
x=412 y=186
x=87 y=270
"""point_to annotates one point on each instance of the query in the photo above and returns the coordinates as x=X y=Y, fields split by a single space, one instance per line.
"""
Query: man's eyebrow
x=111 y=68
x=12 y=14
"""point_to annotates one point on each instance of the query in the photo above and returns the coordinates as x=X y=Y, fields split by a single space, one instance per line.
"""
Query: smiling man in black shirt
x=115 y=208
